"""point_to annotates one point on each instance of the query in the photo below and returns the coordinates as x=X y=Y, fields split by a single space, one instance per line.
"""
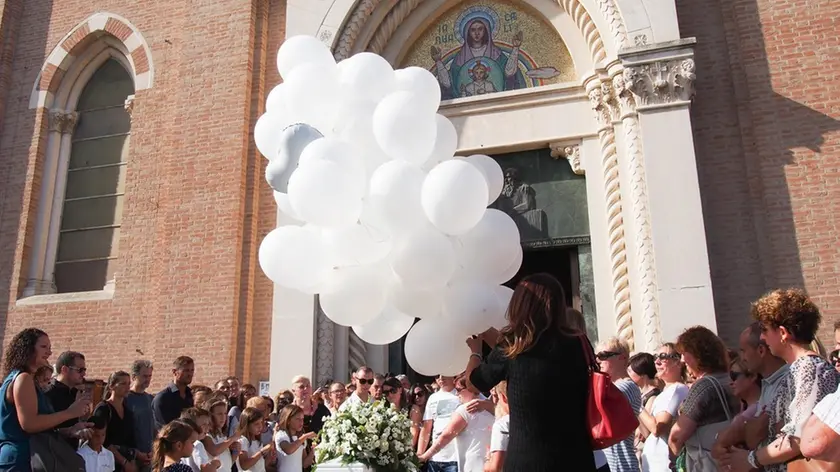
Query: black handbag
x=51 y=453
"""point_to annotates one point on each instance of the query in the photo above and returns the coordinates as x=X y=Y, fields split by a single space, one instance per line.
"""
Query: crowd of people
x=767 y=404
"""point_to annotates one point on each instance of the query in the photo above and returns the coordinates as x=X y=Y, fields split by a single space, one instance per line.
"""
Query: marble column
x=661 y=79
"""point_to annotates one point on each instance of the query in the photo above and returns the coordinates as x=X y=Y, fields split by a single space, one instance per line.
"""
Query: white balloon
x=394 y=194
x=433 y=348
x=267 y=133
x=471 y=307
x=492 y=172
x=299 y=50
x=423 y=259
x=311 y=92
x=403 y=128
x=354 y=123
x=276 y=100
x=324 y=194
x=341 y=153
x=490 y=247
x=504 y=294
x=417 y=303
x=293 y=141
x=446 y=142
x=356 y=245
x=356 y=297
x=420 y=81
x=294 y=257
x=512 y=269
x=366 y=75
x=282 y=201
x=454 y=196
x=386 y=328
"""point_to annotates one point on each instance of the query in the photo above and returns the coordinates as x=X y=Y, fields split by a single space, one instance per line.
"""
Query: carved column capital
x=660 y=74
x=625 y=100
x=662 y=82
x=571 y=152
x=129 y=105
x=63 y=122
x=600 y=107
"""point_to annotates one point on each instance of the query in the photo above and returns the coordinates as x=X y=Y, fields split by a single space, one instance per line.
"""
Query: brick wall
x=768 y=149
x=196 y=204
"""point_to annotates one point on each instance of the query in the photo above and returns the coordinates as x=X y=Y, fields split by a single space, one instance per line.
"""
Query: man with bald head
x=364 y=382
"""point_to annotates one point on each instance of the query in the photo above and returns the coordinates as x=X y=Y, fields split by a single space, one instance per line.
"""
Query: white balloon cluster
x=392 y=226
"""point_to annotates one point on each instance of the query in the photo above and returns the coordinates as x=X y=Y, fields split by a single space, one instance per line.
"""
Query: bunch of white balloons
x=391 y=226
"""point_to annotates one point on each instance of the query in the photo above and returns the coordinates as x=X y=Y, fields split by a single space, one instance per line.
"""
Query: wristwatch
x=753 y=460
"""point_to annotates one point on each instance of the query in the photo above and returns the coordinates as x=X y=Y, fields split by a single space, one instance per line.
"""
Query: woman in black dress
x=542 y=358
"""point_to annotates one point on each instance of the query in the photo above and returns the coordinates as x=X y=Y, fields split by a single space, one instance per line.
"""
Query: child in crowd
x=43 y=376
x=254 y=454
x=174 y=442
x=97 y=457
x=501 y=430
x=217 y=443
x=291 y=442
x=199 y=460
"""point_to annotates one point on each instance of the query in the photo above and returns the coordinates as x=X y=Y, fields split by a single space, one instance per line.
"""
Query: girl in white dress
x=253 y=455
x=291 y=442
x=217 y=443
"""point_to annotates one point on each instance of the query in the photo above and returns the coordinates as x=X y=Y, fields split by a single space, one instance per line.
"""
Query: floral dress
x=810 y=379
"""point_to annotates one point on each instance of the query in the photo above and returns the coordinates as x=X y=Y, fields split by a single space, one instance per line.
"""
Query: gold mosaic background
x=540 y=40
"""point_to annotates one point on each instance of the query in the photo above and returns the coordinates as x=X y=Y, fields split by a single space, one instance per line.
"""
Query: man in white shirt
x=97 y=458
x=821 y=434
x=364 y=382
x=439 y=409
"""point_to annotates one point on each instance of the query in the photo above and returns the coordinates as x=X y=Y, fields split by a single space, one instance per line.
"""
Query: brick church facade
x=132 y=198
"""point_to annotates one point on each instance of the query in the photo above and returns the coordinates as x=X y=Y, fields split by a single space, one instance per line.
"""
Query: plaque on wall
x=482 y=47
x=545 y=199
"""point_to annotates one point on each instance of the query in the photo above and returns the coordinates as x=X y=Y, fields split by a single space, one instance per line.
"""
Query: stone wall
x=196 y=206
x=768 y=149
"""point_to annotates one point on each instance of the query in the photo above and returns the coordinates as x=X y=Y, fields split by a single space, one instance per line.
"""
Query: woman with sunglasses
x=746 y=385
x=392 y=392
x=670 y=370
x=417 y=399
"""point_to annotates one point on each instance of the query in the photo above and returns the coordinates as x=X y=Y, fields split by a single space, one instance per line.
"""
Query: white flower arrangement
x=371 y=434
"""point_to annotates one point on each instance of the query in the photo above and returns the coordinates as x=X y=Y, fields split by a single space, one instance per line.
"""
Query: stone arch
x=93 y=41
x=371 y=24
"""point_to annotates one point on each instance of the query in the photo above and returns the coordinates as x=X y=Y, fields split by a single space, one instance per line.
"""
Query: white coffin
x=336 y=466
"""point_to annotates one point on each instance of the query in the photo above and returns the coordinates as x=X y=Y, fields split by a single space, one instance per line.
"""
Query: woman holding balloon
x=539 y=353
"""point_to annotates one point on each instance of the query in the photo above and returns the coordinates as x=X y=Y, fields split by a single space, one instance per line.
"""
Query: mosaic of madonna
x=482 y=47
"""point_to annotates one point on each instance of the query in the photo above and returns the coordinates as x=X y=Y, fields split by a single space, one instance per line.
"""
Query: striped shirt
x=828 y=411
x=622 y=456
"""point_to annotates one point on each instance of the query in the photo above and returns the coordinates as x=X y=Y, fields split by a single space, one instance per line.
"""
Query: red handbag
x=609 y=414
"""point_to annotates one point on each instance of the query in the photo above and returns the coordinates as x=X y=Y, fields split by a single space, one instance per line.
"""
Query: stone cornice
x=63 y=122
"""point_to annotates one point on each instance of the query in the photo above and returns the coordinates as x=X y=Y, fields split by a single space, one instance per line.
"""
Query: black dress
x=548 y=387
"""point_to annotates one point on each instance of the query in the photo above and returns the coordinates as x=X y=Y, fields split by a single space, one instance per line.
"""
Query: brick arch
x=115 y=33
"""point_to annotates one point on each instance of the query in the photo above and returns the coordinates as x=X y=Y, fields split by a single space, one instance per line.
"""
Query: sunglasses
x=81 y=370
x=735 y=375
x=604 y=355
x=365 y=381
x=333 y=392
x=662 y=356
x=420 y=393
x=388 y=391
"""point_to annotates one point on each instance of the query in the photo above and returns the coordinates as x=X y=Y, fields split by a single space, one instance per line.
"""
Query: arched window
x=92 y=210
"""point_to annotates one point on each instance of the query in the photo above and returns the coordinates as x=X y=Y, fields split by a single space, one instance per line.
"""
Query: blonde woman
x=663 y=412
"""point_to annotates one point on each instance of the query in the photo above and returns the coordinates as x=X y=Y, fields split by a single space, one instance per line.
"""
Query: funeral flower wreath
x=372 y=434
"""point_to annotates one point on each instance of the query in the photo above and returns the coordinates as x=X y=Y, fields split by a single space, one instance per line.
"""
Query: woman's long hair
x=20 y=350
x=538 y=304
x=174 y=432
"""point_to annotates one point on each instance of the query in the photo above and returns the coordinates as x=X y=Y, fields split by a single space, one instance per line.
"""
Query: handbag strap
x=721 y=396
x=589 y=354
